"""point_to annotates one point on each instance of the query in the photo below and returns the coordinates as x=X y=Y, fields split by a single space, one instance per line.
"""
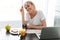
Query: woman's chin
x=29 y=11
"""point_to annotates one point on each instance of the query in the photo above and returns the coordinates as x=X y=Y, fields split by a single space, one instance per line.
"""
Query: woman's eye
x=27 y=5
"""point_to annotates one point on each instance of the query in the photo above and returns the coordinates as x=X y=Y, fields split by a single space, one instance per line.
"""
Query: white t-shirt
x=36 y=20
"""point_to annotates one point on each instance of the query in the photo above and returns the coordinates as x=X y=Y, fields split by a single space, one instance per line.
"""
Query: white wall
x=9 y=10
x=51 y=13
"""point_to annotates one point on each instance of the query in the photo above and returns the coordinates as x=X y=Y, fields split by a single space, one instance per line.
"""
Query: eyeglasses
x=27 y=5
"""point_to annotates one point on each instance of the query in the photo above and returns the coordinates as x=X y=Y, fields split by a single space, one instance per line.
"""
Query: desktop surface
x=8 y=36
x=50 y=39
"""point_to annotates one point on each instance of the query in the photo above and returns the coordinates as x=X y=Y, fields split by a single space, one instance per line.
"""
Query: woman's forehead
x=27 y=3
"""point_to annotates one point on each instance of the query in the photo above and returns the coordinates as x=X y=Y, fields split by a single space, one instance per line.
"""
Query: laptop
x=50 y=33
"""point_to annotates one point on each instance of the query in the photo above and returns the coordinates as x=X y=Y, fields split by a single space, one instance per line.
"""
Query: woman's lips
x=29 y=10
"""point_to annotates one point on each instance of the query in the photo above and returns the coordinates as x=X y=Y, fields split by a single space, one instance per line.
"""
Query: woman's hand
x=22 y=11
x=28 y=27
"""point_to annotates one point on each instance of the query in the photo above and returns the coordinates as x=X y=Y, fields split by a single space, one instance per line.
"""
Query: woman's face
x=29 y=7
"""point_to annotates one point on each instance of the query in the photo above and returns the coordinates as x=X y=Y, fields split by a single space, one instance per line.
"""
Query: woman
x=34 y=19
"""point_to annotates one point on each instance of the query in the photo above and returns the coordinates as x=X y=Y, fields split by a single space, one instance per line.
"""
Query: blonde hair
x=30 y=2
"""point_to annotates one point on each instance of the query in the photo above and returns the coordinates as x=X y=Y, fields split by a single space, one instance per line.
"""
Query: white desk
x=37 y=32
x=29 y=31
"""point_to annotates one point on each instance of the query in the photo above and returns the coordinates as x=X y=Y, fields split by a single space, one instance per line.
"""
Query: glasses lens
x=26 y=6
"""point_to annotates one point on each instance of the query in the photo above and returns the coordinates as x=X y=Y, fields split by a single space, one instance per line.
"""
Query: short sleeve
x=42 y=17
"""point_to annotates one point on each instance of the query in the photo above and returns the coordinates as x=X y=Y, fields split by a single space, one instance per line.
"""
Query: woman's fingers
x=22 y=10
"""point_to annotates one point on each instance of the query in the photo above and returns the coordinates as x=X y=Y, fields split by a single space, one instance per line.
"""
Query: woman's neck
x=33 y=13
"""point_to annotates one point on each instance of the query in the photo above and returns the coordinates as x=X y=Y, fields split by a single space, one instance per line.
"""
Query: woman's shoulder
x=39 y=12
